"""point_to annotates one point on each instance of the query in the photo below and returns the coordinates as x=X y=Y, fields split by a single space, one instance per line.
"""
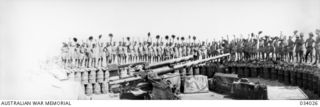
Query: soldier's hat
x=301 y=34
x=311 y=34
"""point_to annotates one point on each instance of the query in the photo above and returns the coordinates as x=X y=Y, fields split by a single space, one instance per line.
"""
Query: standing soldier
x=309 y=46
x=125 y=52
x=101 y=54
x=140 y=49
x=261 y=49
x=317 y=46
x=77 y=55
x=114 y=53
x=64 y=54
x=107 y=51
x=95 y=53
x=299 y=50
x=71 y=53
x=282 y=49
x=290 y=48
x=239 y=49
x=277 y=48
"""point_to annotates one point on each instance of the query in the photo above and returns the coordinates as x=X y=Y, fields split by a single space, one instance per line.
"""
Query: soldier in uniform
x=299 y=50
x=101 y=53
x=317 y=46
x=309 y=46
x=64 y=54
x=277 y=48
x=290 y=48
x=77 y=55
x=282 y=49
x=82 y=54
x=95 y=54
x=114 y=53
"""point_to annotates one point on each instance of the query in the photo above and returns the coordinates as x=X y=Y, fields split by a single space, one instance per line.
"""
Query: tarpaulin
x=196 y=84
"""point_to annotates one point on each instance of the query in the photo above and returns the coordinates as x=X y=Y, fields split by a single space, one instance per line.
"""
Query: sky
x=33 y=30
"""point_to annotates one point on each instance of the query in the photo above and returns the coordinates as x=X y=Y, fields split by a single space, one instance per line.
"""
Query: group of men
x=94 y=52
x=280 y=47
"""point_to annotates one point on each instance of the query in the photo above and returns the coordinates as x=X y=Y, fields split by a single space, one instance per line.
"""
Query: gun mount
x=155 y=75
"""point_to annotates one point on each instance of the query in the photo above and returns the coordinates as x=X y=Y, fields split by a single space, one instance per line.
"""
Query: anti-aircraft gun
x=144 y=77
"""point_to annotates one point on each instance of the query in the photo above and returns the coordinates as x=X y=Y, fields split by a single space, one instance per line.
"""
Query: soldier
x=101 y=53
x=130 y=52
x=140 y=51
x=64 y=54
x=95 y=55
x=238 y=46
x=114 y=52
x=87 y=55
x=299 y=51
x=290 y=49
x=277 y=47
x=106 y=51
x=82 y=54
x=77 y=55
x=71 y=54
x=282 y=49
x=261 y=49
x=317 y=46
x=309 y=46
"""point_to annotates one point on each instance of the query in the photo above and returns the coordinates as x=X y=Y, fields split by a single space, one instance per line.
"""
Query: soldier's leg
x=311 y=55
x=300 y=56
x=306 y=56
x=291 y=59
x=316 y=56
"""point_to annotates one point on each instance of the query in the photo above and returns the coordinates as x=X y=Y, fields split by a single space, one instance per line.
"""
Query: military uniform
x=299 y=51
x=309 y=46
x=290 y=49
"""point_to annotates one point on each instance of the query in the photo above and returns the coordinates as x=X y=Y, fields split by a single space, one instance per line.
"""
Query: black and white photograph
x=160 y=50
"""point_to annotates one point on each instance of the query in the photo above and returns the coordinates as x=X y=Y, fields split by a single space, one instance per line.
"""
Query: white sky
x=32 y=30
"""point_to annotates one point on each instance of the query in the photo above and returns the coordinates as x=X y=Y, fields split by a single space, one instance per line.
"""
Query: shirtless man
x=95 y=55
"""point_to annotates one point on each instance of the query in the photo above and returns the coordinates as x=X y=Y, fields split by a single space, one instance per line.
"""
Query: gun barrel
x=176 y=60
x=131 y=64
x=168 y=69
x=124 y=80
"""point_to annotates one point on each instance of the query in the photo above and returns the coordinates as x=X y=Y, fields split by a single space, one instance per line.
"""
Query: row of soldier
x=279 y=47
x=97 y=53
x=94 y=52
